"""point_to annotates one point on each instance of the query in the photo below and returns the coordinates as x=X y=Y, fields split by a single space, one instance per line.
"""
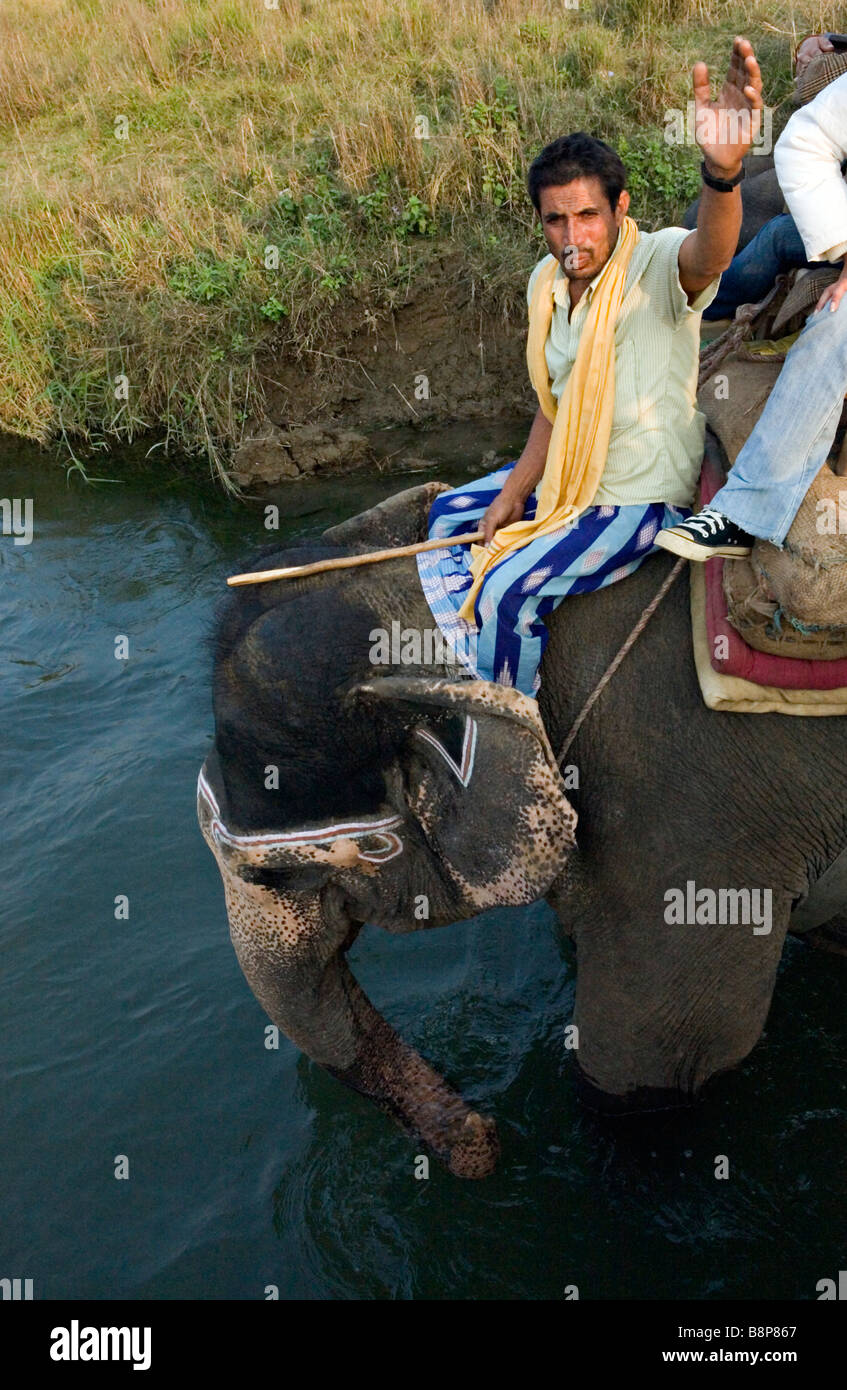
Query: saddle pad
x=733 y=694
x=736 y=657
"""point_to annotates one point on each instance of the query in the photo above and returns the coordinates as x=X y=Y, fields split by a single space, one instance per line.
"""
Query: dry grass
x=152 y=150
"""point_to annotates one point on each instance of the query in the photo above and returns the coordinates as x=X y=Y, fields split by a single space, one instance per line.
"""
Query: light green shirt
x=656 y=446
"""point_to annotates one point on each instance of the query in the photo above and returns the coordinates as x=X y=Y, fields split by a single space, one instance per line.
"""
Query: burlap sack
x=802 y=298
x=733 y=399
x=793 y=601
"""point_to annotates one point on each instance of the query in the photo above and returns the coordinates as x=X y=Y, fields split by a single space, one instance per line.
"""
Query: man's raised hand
x=726 y=128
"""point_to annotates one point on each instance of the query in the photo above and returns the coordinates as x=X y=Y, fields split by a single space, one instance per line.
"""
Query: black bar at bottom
x=59 y=1339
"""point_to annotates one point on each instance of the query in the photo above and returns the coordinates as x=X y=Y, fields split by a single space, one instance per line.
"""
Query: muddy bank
x=436 y=358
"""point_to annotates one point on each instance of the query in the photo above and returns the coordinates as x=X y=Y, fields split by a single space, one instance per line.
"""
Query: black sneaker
x=706 y=535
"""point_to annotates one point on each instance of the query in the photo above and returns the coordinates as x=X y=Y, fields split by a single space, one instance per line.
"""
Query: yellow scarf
x=582 y=424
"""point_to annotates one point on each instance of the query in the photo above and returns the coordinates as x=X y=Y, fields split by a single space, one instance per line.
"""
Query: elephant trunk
x=290 y=948
x=395 y=1076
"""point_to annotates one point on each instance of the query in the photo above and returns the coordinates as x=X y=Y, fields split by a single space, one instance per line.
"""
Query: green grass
x=187 y=180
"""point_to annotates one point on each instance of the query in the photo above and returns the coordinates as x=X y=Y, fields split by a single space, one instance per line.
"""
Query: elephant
x=341 y=790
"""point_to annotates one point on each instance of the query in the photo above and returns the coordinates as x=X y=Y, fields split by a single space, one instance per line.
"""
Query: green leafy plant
x=373 y=206
x=335 y=276
x=416 y=218
x=287 y=209
x=206 y=278
x=487 y=117
x=271 y=309
x=656 y=170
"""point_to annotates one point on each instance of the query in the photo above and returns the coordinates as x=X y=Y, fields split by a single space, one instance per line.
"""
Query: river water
x=136 y=1042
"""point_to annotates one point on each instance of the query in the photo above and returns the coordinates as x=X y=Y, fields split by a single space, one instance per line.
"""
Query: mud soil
x=439 y=357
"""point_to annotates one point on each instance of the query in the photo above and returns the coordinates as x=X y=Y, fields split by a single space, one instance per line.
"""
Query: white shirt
x=808 y=157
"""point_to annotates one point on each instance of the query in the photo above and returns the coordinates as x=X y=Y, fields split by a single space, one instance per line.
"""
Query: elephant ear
x=474 y=768
x=399 y=520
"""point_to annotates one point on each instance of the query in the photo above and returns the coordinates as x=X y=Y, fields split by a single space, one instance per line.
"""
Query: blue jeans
x=794 y=434
x=776 y=248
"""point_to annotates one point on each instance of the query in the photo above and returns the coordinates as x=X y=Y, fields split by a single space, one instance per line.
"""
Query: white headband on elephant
x=301 y=844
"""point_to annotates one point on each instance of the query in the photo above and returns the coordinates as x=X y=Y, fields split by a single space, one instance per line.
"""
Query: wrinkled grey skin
x=669 y=791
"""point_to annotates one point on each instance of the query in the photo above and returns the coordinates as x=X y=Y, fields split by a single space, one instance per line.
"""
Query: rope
x=630 y=642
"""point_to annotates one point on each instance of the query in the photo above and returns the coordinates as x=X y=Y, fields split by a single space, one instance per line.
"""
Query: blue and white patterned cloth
x=603 y=545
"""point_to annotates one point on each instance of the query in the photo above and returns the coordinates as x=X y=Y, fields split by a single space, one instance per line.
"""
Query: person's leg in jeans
x=785 y=451
x=794 y=434
x=777 y=248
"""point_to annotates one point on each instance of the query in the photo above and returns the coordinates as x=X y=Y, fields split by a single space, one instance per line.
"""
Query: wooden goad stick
x=346 y=561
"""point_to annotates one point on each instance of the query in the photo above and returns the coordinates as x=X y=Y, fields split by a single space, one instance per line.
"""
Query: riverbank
x=307 y=220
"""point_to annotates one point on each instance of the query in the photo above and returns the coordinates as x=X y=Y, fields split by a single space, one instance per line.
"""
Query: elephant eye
x=305 y=879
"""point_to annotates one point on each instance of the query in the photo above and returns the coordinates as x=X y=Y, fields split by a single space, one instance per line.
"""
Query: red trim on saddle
x=785 y=672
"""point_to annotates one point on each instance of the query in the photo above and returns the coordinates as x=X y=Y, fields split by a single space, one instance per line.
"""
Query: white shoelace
x=707 y=522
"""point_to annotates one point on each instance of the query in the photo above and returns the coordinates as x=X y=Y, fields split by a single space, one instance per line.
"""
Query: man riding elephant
x=615 y=449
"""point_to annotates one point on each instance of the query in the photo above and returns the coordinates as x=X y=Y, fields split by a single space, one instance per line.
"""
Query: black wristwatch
x=720 y=185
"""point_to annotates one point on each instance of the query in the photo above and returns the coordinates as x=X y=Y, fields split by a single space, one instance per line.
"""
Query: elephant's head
x=473 y=814
x=337 y=795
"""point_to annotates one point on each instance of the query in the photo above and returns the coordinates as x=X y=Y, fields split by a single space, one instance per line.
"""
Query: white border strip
x=321 y=835
x=464 y=772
